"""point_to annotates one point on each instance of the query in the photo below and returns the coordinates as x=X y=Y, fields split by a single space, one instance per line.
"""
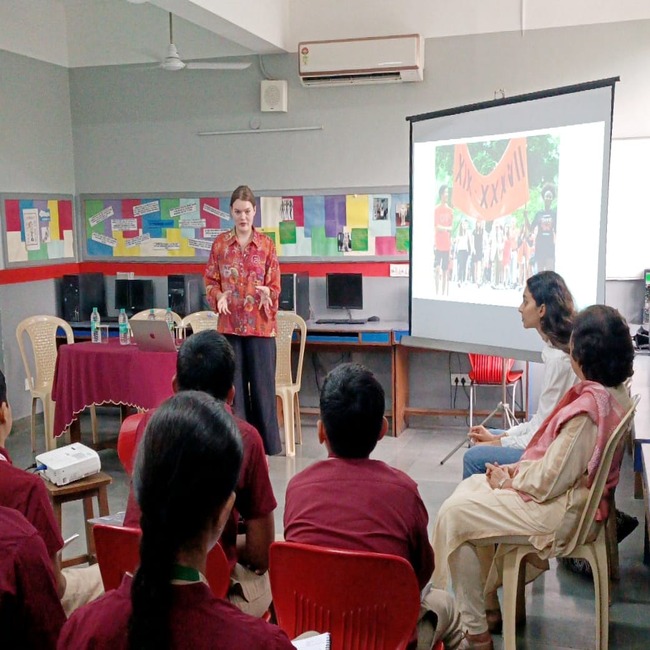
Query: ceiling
x=78 y=33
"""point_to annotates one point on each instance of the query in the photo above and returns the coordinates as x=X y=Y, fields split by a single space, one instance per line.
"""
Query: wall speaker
x=274 y=96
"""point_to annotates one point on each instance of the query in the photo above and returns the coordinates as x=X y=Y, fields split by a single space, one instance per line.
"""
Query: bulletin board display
x=303 y=226
x=38 y=229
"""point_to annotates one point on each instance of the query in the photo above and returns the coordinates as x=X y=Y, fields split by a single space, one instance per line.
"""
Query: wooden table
x=86 y=489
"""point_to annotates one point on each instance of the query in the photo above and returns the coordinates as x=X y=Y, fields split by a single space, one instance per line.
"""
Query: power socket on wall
x=459 y=379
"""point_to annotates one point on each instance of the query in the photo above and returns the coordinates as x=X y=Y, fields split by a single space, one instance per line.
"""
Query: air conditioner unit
x=382 y=59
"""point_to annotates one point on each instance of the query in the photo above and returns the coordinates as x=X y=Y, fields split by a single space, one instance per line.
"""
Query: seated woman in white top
x=548 y=307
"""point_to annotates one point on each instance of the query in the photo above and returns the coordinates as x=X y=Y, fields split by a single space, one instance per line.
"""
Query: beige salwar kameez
x=476 y=517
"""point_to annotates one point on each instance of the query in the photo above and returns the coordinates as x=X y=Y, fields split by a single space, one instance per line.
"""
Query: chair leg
x=601 y=592
x=287 y=414
x=511 y=567
x=471 y=404
x=48 y=423
x=298 y=424
x=612 y=544
x=33 y=424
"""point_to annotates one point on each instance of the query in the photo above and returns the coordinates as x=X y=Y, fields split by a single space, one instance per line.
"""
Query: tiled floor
x=560 y=605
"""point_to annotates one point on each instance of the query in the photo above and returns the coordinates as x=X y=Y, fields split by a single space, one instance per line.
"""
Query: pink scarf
x=595 y=401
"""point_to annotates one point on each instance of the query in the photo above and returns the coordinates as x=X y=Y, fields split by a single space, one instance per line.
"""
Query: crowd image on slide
x=496 y=215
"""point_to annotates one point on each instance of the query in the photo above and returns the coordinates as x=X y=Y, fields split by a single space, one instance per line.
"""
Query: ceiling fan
x=173 y=62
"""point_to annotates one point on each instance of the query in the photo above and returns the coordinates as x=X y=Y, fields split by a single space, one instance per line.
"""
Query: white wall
x=135 y=131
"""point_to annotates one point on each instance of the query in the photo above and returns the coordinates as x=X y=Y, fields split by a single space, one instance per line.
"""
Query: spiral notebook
x=319 y=642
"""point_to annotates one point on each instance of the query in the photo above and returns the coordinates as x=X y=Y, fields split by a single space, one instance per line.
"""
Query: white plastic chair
x=41 y=331
x=287 y=386
x=593 y=549
x=158 y=313
x=200 y=320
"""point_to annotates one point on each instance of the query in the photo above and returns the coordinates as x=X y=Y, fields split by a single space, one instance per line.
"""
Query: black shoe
x=576 y=565
x=625 y=524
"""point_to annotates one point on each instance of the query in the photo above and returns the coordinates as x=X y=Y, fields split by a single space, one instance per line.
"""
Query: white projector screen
x=500 y=191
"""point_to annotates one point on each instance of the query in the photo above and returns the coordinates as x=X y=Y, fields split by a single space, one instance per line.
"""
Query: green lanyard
x=185 y=573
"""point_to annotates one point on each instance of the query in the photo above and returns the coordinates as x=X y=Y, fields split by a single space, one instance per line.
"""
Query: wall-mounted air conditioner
x=382 y=59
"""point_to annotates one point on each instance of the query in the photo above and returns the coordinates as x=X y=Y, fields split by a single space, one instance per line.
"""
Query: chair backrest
x=126 y=441
x=612 y=455
x=159 y=314
x=488 y=369
x=201 y=320
x=287 y=323
x=367 y=601
x=118 y=552
x=41 y=331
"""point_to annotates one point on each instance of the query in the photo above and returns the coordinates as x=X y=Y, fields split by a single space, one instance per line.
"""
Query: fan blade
x=206 y=65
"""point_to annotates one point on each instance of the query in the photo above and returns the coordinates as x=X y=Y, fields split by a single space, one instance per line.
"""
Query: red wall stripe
x=157 y=269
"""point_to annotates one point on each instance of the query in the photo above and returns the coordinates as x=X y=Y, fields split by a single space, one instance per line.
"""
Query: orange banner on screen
x=496 y=194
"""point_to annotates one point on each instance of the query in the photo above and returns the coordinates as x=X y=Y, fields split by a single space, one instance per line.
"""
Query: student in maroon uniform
x=352 y=502
x=27 y=493
x=31 y=615
x=206 y=361
x=185 y=473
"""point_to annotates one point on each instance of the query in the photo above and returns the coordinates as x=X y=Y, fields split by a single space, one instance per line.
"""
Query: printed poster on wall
x=302 y=226
x=38 y=230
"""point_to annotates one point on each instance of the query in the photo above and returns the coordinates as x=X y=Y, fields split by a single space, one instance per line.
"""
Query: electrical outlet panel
x=459 y=379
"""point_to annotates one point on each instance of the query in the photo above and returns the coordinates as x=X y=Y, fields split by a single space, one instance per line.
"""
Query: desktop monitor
x=133 y=295
x=344 y=290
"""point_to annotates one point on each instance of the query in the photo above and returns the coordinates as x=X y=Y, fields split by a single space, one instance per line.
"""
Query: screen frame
x=527 y=344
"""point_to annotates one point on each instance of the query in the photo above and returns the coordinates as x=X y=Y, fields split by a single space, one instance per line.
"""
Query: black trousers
x=255 y=387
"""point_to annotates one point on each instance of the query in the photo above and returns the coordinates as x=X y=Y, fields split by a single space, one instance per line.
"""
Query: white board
x=628 y=216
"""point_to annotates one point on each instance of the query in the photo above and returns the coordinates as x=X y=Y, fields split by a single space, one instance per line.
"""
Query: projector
x=69 y=463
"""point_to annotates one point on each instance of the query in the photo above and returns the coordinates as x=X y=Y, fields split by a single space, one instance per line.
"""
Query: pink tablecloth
x=100 y=373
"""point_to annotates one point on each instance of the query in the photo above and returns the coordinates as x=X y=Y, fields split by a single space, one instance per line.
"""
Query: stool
x=86 y=489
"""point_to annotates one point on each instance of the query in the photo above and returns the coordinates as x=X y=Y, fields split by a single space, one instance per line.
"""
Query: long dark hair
x=186 y=468
x=549 y=289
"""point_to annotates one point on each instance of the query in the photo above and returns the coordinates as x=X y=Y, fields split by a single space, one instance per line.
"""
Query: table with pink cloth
x=108 y=373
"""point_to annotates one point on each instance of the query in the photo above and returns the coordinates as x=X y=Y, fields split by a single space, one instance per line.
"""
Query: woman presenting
x=242 y=281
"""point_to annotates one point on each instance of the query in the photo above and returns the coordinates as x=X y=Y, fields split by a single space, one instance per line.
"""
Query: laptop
x=153 y=336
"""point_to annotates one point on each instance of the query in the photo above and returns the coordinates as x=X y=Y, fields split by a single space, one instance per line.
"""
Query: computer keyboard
x=341 y=321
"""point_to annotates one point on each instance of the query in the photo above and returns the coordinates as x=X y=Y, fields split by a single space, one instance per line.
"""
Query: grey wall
x=35 y=156
x=121 y=130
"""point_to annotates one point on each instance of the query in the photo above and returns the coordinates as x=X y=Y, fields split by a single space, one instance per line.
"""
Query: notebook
x=153 y=336
x=318 y=642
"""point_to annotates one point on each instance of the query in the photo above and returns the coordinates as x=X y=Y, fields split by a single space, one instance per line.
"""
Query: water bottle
x=123 y=322
x=169 y=319
x=95 y=331
x=152 y=314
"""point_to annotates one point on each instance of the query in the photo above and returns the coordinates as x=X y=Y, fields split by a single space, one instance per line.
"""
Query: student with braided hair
x=185 y=474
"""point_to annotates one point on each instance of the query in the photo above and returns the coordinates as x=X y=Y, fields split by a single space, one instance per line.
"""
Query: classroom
x=86 y=115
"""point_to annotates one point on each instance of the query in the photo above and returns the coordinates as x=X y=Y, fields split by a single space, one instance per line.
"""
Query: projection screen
x=500 y=191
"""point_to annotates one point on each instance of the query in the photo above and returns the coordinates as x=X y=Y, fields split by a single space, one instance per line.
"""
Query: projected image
x=496 y=217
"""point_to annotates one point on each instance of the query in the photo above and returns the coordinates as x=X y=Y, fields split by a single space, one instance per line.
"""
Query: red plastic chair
x=489 y=371
x=118 y=552
x=367 y=601
x=126 y=441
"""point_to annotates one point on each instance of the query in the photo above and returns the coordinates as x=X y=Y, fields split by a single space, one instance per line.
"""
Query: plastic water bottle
x=95 y=331
x=169 y=319
x=123 y=322
x=152 y=314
